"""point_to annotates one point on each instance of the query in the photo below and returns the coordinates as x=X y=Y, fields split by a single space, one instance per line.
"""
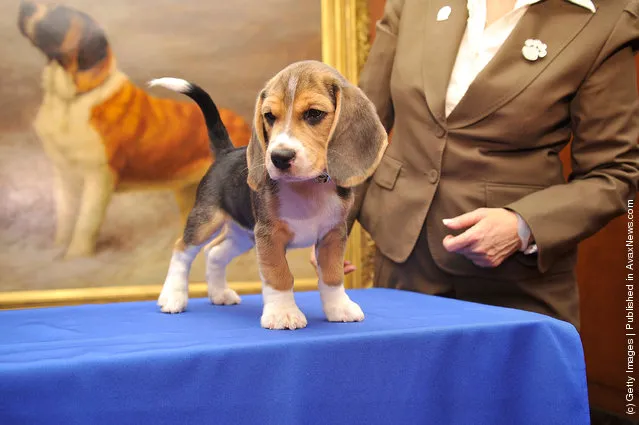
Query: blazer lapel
x=554 y=23
x=441 y=41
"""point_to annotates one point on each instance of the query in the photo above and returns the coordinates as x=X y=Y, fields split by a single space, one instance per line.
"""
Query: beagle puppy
x=315 y=136
x=101 y=130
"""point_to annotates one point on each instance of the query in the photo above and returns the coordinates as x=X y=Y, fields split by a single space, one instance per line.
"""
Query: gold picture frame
x=345 y=44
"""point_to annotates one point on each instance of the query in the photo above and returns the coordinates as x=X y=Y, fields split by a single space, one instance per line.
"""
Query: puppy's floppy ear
x=257 y=147
x=357 y=139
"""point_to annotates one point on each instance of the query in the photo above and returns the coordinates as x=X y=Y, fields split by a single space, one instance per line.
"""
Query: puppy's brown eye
x=314 y=116
x=270 y=118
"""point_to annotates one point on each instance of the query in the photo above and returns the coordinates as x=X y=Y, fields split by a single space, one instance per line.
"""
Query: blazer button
x=440 y=132
x=433 y=176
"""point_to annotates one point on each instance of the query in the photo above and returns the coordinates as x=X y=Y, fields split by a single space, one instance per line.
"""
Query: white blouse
x=478 y=46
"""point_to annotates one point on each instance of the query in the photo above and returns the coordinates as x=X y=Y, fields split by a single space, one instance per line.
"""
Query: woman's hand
x=348 y=266
x=490 y=236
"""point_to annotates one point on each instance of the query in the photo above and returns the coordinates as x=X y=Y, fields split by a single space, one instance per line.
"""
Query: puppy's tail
x=218 y=136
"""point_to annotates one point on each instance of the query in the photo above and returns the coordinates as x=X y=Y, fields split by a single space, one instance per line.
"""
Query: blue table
x=416 y=359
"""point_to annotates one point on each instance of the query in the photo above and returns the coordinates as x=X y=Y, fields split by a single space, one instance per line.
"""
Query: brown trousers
x=553 y=295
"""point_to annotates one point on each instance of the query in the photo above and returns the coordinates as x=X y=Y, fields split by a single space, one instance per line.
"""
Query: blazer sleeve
x=604 y=155
x=375 y=80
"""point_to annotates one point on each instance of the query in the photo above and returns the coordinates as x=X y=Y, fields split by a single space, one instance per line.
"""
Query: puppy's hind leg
x=230 y=243
x=185 y=198
x=201 y=227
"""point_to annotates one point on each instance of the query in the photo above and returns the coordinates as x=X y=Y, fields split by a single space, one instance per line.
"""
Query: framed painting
x=74 y=98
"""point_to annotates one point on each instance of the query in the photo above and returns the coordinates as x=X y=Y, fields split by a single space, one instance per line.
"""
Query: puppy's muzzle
x=282 y=158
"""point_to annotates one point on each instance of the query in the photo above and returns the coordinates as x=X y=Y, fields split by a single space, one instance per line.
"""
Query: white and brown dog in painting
x=315 y=137
x=102 y=133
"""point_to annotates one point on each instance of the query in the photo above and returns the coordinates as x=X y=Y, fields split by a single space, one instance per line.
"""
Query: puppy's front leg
x=280 y=310
x=338 y=307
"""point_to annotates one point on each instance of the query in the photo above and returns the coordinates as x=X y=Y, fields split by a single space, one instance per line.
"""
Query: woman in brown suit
x=469 y=200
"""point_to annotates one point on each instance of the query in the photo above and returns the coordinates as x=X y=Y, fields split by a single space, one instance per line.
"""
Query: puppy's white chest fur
x=310 y=210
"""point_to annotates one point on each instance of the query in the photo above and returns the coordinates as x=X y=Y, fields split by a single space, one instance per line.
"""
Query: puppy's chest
x=310 y=214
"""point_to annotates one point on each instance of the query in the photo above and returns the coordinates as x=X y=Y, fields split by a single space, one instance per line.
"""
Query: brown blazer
x=500 y=146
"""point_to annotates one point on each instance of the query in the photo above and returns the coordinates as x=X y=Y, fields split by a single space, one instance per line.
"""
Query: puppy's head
x=309 y=120
x=69 y=37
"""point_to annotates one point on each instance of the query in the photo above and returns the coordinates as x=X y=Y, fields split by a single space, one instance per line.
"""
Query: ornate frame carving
x=345 y=45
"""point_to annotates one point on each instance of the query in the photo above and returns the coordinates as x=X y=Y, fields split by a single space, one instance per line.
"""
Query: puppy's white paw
x=173 y=301
x=226 y=296
x=280 y=317
x=343 y=310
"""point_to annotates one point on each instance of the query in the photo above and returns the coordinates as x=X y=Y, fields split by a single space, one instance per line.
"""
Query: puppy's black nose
x=282 y=158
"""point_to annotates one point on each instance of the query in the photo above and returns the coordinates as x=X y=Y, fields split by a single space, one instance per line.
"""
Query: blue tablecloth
x=416 y=359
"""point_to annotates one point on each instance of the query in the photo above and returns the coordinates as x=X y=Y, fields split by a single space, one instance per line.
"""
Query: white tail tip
x=175 y=84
